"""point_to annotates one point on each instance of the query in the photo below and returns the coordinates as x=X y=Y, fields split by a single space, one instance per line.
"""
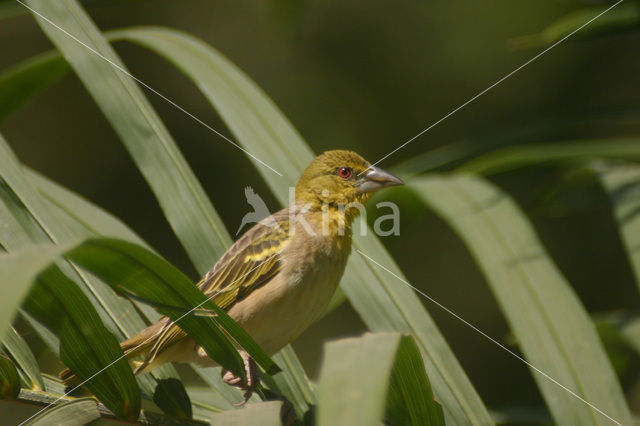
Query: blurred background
x=367 y=76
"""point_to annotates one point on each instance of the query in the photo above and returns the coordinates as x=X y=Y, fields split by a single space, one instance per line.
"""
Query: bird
x=275 y=281
x=260 y=210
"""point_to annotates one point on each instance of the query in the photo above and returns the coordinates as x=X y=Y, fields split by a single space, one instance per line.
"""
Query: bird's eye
x=344 y=172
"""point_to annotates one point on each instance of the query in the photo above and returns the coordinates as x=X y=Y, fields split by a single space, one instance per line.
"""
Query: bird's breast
x=278 y=312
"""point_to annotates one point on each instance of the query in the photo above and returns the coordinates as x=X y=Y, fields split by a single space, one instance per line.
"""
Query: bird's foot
x=252 y=381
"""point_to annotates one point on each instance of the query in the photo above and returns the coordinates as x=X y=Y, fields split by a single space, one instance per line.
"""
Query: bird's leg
x=252 y=381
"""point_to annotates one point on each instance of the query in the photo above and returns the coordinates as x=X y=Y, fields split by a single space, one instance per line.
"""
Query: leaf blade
x=28 y=78
x=79 y=411
x=116 y=387
x=9 y=379
x=541 y=308
x=622 y=183
x=30 y=219
x=20 y=352
x=512 y=157
x=361 y=376
x=624 y=16
x=410 y=398
x=260 y=414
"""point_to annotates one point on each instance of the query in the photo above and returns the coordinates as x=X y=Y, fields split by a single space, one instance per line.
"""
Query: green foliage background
x=560 y=138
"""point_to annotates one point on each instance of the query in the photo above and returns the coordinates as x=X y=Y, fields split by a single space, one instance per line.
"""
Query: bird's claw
x=250 y=384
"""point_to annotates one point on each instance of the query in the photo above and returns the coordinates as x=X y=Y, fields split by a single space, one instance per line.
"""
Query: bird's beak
x=375 y=179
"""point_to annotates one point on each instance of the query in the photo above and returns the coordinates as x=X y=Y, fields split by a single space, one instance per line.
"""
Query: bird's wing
x=249 y=263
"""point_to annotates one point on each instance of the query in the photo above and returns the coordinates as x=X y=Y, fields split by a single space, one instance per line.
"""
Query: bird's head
x=340 y=178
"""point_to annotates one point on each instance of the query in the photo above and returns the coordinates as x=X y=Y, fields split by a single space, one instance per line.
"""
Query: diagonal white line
x=124 y=71
x=124 y=356
x=499 y=81
x=476 y=329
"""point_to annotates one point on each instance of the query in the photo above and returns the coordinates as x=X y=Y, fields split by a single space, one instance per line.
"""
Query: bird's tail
x=137 y=345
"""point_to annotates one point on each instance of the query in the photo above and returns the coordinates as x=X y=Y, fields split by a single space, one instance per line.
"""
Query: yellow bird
x=278 y=278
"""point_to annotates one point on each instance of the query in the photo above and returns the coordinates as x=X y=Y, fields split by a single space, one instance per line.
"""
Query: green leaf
x=24 y=358
x=86 y=345
x=79 y=411
x=9 y=379
x=180 y=195
x=69 y=411
x=622 y=182
x=12 y=288
x=48 y=338
x=624 y=16
x=55 y=395
x=514 y=157
x=293 y=383
x=631 y=333
x=356 y=377
x=23 y=81
x=546 y=317
x=53 y=384
x=611 y=327
x=29 y=218
x=410 y=400
x=172 y=397
x=260 y=414
x=205 y=401
x=263 y=130
x=94 y=355
x=386 y=304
